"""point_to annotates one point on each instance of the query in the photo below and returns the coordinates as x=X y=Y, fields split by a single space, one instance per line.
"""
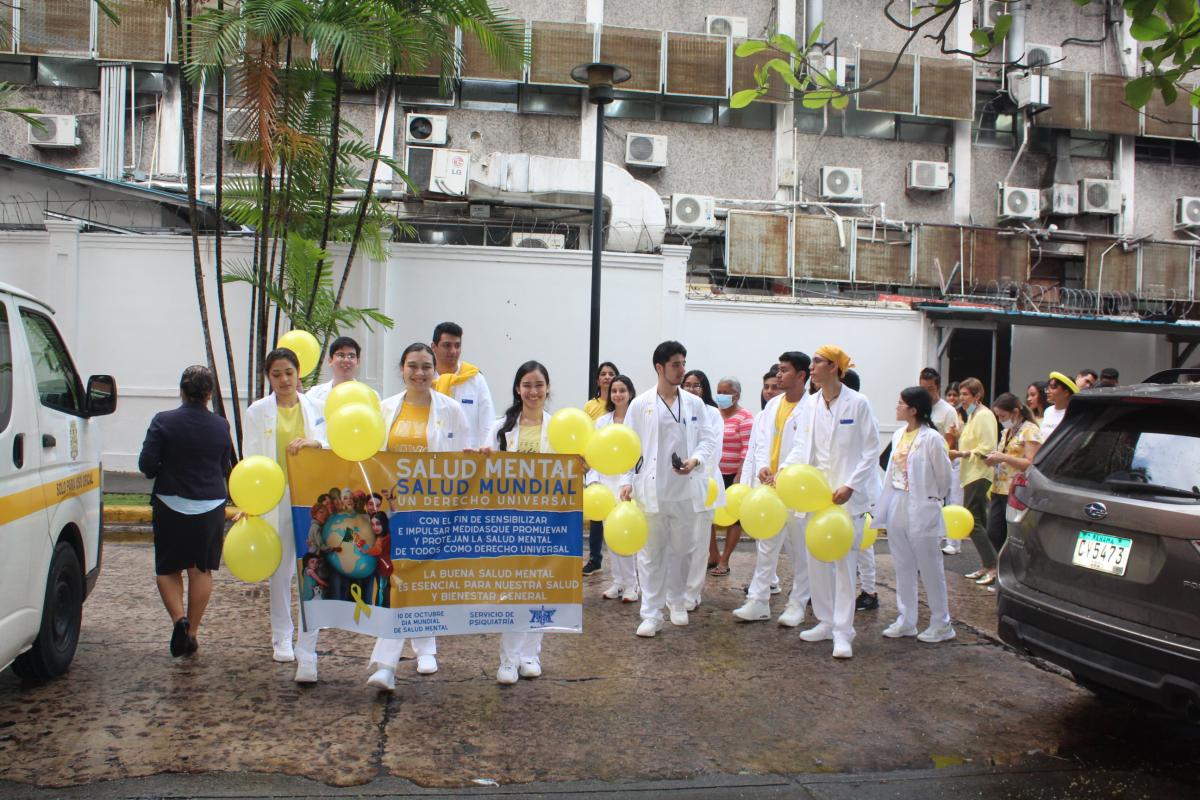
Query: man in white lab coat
x=345 y=357
x=462 y=381
x=837 y=433
x=670 y=482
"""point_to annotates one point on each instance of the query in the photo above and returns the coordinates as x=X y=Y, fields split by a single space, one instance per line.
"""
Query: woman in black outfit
x=189 y=454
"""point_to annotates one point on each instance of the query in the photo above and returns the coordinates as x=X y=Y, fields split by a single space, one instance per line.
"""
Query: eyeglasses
x=345 y=356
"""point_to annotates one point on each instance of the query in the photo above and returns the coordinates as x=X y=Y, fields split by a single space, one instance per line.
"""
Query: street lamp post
x=600 y=79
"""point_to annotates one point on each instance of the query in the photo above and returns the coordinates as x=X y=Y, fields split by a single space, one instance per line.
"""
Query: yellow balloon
x=625 y=529
x=348 y=393
x=305 y=346
x=830 y=534
x=569 y=431
x=803 y=487
x=723 y=519
x=598 y=501
x=734 y=496
x=613 y=450
x=763 y=514
x=711 y=497
x=252 y=549
x=869 y=534
x=355 y=431
x=256 y=484
x=959 y=522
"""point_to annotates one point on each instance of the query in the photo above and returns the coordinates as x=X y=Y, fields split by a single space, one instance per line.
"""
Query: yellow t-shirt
x=529 y=438
x=781 y=415
x=409 y=431
x=289 y=426
x=595 y=408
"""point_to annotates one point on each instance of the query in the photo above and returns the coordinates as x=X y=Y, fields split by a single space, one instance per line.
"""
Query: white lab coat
x=854 y=452
x=703 y=444
x=447 y=431
x=929 y=480
x=760 y=446
x=613 y=482
x=750 y=464
x=510 y=438
x=476 y=401
x=624 y=568
x=717 y=423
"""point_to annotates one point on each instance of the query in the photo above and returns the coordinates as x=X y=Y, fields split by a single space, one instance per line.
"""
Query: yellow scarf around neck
x=445 y=383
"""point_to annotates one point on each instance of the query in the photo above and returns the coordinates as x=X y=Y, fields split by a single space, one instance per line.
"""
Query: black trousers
x=595 y=541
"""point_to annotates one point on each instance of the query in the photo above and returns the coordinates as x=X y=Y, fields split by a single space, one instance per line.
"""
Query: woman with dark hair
x=1020 y=440
x=698 y=565
x=910 y=510
x=977 y=440
x=522 y=429
x=596 y=406
x=624 y=568
x=282 y=423
x=1035 y=400
x=954 y=398
x=189 y=455
x=417 y=420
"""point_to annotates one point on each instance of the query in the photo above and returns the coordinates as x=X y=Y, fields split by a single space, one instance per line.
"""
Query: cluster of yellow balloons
x=353 y=421
x=252 y=548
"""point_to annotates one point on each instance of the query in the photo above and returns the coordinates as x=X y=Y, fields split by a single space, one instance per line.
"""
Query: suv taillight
x=1019 y=481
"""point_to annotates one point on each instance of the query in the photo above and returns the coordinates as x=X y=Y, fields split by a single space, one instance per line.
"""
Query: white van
x=50 y=496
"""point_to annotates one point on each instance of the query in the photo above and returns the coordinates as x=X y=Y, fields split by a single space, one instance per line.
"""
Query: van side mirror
x=101 y=395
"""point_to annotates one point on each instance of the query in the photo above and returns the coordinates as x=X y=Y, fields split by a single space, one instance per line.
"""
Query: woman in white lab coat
x=283 y=422
x=417 y=420
x=523 y=429
x=910 y=510
x=624 y=568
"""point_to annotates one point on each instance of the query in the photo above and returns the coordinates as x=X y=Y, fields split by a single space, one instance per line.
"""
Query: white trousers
x=767 y=559
x=833 y=587
x=956 y=489
x=917 y=553
x=519 y=646
x=698 y=566
x=282 y=581
x=386 y=652
x=866 y=569
x=671 y=536
x=624 y=570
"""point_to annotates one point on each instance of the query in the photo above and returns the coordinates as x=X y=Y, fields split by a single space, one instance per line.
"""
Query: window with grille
x=1110 y=112
x=820 y=254
x=743 y=77
x=1110 y=271
x=882 y=257
x=947 y=88
x=6 y=18
x=56 y=27
x=141 y=36
x=478 y=65
x=939 y=249
x=1165 y=271
x=638 y=50
x=556 y=48
x=697 y=65
x=756 y=245
x=1068 y=101
x=895 y=92
x=1168 y=121
x=998 y=259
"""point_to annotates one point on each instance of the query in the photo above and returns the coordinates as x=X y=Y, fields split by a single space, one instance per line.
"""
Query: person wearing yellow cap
x=837 y=433
x=1059 y=391
x=462 y=381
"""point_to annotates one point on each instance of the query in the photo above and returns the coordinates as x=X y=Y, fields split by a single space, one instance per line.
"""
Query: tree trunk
x=334 y=142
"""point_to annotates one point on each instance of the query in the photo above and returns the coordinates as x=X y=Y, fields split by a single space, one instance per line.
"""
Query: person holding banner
x=417 y=420
x=670 y=481
x=624 y=568
x=696 y=382
x=284 y=422
x=837 y=434
x=524 y=428
x=462 y=381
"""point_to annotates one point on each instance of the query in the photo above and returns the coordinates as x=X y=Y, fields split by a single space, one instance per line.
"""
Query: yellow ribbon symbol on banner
x=359 y=606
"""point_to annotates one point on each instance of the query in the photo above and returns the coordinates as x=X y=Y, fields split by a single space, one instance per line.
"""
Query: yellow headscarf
x=836 y=355
x=1065 y=381
x=446 y=382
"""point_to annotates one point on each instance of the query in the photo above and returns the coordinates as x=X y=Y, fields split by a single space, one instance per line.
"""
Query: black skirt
x=186 y=541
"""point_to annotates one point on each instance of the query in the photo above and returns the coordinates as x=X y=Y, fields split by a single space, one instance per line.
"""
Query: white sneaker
x=679 y=617
x=284 y=653
x=897 y=630
x=507 y=674
x=792 y=616
x=382 y=679
x=691 y=605
x=818 y=633
x=942 y=633
x=530 y=668
x=841 y=648
x=306 y=672
x=612 y=592
x=649 y=628
x=631 y=596
x=775 y=588
x=952 y=549
x=426 y=665
x=753 y=611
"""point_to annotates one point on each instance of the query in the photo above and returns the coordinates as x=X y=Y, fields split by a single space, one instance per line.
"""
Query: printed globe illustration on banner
x=353 y=534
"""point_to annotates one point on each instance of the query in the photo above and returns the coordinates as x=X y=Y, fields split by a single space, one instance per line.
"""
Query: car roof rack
x=1168 y=376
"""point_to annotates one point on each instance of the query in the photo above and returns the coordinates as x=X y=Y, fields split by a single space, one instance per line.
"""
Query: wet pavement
x=718 y=708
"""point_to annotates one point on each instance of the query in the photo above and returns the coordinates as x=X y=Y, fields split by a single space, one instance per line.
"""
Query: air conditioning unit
x=992 y=10
x=1029 y=90
x=239 y=125
x=424 y=129
x=1018 y=204
x=1060 y=200
x=838 y=65
x=645 y=150
x=540 y=241
x=841 y=183
x=1099 y=197
x=693 y=212
x=1043 y=55
x=721 y=25
x=58 y=130
x=438 y=170
x=930 y=176
x=1187 y=212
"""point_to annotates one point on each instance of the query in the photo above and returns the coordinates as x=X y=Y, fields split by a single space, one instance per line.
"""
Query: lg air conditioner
x=1042 y=56
x=437 y=170
x=693 y=212
x=1099 y=197
x=1187 y=212
x=425 y=129
x=992 y=10
x=929 y=176
x=841 y=183
x=240 y=125
x=721 y=25
x=55 y=131
x=540 y=241
x=1060 y=200
x=645 y=150
x=1018 y=204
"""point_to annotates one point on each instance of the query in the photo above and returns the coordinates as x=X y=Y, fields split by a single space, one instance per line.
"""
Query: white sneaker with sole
x=897 y=630
x=612 y=592
x=306 y=672
x=506 y=675
x=382 y=679
x=792 y=616
x=631 y=596
x=649 y=628
x=530 y=668
x=775 y=588
x=952 y=549
x=753 y=611
x=841 y=648
x=942 y=633
x=679 y=617
x=426 y=665
x=283 y=652
x=818 y=633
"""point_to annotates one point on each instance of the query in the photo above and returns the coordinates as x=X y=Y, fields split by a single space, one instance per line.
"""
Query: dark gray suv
x=1101 y=570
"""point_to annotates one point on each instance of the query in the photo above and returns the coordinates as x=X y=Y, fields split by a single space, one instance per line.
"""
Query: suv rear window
x=1129 y=448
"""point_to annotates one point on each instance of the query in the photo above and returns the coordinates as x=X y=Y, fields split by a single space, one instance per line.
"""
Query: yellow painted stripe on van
x=29 y=501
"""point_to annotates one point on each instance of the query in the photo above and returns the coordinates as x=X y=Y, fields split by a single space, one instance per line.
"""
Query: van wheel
x=62 y=618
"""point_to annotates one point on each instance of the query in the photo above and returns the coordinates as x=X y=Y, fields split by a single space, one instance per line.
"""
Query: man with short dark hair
x=344 y=355
x=462 y=381
x=1109 y=377
x=1086 y=378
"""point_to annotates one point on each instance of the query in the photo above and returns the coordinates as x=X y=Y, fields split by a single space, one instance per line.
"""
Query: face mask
x=971 y=408
x=724 y=400
x=1008 y=423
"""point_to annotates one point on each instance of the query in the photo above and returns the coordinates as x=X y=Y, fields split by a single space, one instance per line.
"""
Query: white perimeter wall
x=1038 y=351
